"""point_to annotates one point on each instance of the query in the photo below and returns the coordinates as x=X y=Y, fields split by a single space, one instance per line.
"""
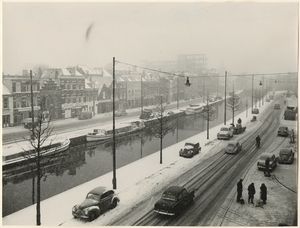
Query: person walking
x=239 y=121
x=239 y=190
x=267 y=166
x=251 y=193
x=263 y=193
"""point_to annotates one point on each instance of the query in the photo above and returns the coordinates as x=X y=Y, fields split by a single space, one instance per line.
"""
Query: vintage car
x=226 y=132
x=238 y=129
x=276 y=106
x=286 y=156
x=96 y=202
x=121 y=112
x=283 y=131
x=189 y=150
x=261 y=163
x=255 y=111
x=174 y=200
x=233 y=147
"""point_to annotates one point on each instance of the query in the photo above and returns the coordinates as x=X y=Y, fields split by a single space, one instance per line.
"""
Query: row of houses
x=66 y=92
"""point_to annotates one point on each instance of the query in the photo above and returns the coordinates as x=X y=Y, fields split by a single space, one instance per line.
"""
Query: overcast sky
x=245 y=37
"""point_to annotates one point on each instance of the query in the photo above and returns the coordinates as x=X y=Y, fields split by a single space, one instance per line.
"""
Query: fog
x=244 y=37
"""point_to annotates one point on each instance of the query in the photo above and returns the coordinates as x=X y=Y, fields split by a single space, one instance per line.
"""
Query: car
x=286 y=156
x=276 y=106
x=226 y=132
x=121 y=112
x=283 y=131
x=174 y=200
x=147 y=114
x=189 y=150
x=261 y=163
x=255 y=111
x=233 y=147
x=97 y=201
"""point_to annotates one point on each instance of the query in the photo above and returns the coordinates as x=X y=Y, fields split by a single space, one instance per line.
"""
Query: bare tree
x=256 y=96
x=208 y=114
x=233 y=103
x=163 y=124
x=42 y=152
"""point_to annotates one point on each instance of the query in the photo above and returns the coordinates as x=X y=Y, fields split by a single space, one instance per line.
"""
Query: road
x=212 y=179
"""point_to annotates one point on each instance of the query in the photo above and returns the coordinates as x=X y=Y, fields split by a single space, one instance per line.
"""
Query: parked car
x=174 y=200
x=189 y=150
x=283 y=131
x=28 y=122
x=262 y=161
x=226 y=132
x=97 y=201
x=147 y=114
x=276 y=106
x=255 y=111
x=286 y=156
x=85 y=115
x=121 y=112
x=233 y=147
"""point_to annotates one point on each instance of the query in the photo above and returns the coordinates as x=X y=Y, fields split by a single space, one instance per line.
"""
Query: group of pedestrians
x=251 y=192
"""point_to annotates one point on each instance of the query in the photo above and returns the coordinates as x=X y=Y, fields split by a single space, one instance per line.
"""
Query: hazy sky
x=245 y=37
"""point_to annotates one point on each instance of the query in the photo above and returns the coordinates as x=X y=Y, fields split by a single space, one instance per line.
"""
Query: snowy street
x=145 y=179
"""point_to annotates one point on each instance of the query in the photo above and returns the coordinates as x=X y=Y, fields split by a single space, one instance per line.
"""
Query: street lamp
x=252 y=94
x=260 y=93
x=225 y=98
x=114 y=180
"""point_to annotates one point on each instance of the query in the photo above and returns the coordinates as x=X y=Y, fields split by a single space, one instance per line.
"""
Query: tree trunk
x=207 y=127
x=33 y=187
x=38 y=194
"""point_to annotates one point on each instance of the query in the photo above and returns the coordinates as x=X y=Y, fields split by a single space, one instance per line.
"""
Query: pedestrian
x=267 y=166
x=251 y=193
x=239 y=190
x=263 y=193
x=239 y=121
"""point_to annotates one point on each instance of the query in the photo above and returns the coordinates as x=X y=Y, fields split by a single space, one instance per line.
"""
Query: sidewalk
x=146 y=177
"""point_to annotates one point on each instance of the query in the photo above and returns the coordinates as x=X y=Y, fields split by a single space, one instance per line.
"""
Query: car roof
x=99 y=190
x=174 y=190
x=285 y=150
x=233 y=142
x=266 y=155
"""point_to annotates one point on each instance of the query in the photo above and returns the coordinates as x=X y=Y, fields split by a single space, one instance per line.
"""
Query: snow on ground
x=135 y=181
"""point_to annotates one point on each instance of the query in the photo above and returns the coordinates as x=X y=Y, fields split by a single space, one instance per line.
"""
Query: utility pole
x=225 y=98
x=114 y=180
x=263 y=90
x=177 y=93
x=32 y=109
x=252 y=94
x=142 y=92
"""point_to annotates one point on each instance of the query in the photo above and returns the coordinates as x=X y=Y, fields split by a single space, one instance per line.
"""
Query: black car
x=97 y=200
x=174 y=200
x=255 y=111
x=189 y=150
x=283 y=131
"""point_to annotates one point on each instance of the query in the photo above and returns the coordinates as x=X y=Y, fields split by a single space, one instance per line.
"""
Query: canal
x=87 y=161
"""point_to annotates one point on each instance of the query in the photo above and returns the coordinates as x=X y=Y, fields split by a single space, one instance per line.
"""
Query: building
x=20 y=88
x=192 y=63
x=7 y=107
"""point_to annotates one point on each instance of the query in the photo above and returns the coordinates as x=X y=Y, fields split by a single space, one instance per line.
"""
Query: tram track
x=214 y=179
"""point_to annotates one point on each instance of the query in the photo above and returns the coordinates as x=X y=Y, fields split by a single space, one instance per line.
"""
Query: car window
x=224 y=129
x=169 y=197
x=184 y=193
x=93 y=196
x=230 y=145
x=105 y=195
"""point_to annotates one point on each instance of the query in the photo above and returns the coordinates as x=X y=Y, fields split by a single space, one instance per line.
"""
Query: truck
x=290 y=113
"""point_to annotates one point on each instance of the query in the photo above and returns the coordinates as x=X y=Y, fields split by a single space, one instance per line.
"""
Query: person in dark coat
x=267 y=166
x=263 y=193
x=251 y=193
x=239 y=121
x=239 y=190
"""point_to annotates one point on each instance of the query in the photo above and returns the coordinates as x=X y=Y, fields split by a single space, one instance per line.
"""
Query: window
x=79 y=98
x=15 y=104
x=23 y=87
x=14 y=87
x=104 y=95
x=62 y=86
x=74 y=86
x=5 y=102
x=74 y=99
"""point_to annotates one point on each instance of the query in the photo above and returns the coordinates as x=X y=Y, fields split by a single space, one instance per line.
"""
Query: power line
x=207 y=76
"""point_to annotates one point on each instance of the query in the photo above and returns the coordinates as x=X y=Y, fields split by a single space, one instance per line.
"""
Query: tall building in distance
x=193 y=63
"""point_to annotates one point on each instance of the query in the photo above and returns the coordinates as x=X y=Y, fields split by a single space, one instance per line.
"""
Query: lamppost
x=225 y=98
x=263 y=90
x=114 y=180
x=252 y=94
x=260 y=93
x=177 y=93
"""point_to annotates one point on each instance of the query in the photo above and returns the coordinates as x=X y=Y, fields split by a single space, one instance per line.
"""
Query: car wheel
x=114 y=204
x=92 y=216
